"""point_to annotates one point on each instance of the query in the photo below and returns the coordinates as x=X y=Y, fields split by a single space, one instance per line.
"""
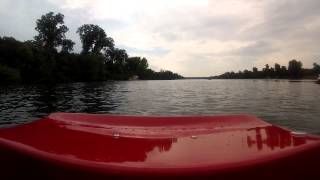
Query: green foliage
x=39 y=62
x=166 y=75
x=67 y=46
x=116 y=60
x=94 y=39
x=277 y=69
x=9 y=75
x=136 y=65
x=294 y=70
x=91 y=67
x=316 y=68
x=52 y=31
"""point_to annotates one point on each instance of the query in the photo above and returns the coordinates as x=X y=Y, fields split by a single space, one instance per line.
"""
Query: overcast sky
x=191 y=37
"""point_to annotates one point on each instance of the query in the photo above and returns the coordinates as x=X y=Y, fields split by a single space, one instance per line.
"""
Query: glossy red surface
x=144 y=147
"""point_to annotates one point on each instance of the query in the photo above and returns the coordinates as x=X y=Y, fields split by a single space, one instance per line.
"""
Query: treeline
x=295 y=70
x=49 y=58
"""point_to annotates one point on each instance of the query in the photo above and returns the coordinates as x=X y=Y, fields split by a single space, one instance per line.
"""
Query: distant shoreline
x=271 y=79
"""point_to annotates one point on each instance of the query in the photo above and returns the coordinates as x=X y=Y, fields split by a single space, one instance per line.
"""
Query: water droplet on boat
x=116 y=135
x=194 y=137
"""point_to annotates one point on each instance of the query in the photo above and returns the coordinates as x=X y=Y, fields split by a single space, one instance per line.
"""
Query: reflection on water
x=223 y=146
x=271 y=138
x=293 y=105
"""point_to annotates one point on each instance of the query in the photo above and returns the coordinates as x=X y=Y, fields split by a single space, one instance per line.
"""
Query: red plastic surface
x=86 y=146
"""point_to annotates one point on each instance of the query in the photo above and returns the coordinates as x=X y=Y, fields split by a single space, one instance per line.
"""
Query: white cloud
x=194 y=37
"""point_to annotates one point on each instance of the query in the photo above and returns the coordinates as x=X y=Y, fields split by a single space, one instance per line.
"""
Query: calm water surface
x=289 y=104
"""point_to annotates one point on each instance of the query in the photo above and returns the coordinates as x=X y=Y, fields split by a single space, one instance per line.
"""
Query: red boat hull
x=84 y=146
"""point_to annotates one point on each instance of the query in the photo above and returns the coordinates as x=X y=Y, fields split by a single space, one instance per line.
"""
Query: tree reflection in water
x=272 y=137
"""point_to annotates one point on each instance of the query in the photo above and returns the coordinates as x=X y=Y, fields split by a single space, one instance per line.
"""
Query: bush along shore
x=295 y=70
x=49 y=57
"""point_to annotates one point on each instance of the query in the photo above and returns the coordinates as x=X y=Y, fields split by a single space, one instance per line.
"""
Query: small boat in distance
x=91 y=146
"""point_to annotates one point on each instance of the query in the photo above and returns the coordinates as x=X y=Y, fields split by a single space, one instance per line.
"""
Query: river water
x=294 y=105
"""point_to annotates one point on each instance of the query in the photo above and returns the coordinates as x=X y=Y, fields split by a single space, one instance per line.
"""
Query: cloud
x=157 y=51
x=191 y=37
x=256 y=49
x=17 y=18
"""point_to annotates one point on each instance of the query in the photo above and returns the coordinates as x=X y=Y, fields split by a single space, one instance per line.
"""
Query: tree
x=247 y=74
x=316 y=68
x=91 y=67
x=267 y=67
x=9 y=75
x=116 y=55
x=94 y=39
x=136 y=65
x=51 y=30
x=67 y=45
x=271 y=72
x=38 y=61
x=255 y=72
x=277 y=69
x=295 y=68
x=116 y=59
x=266 y=70
x=284 y=71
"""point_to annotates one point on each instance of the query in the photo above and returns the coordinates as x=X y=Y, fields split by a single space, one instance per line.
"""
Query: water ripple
x=293 y=105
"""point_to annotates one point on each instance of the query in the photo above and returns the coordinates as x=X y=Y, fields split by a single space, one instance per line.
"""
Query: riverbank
x=295 y=70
